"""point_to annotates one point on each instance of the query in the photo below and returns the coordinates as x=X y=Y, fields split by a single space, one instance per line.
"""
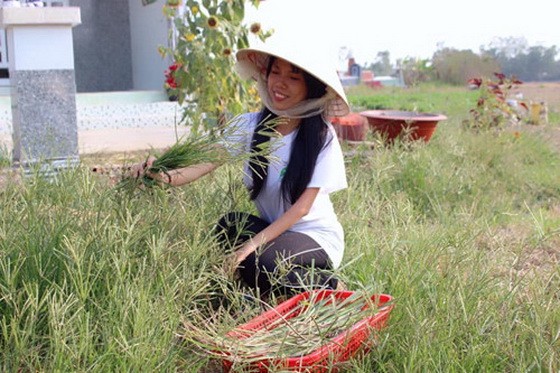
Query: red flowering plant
x=493 y=108
x=171 y=82
x=205 y=36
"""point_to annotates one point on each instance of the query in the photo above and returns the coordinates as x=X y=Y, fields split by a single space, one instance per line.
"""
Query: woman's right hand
x=174 y=177
x=141 y=169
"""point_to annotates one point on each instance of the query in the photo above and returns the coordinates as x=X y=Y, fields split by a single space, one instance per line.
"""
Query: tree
x=382 y=64
x=508 y=47
x=458 y=66
x=415 y=70
x=528 y=63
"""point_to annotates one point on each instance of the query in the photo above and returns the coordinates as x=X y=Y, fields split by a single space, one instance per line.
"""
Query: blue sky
x=410 y=28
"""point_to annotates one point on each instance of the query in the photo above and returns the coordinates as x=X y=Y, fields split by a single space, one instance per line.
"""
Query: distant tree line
x=528 y=63
x=510 y=56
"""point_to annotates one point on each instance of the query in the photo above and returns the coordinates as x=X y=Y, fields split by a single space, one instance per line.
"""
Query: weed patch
x=462 y=231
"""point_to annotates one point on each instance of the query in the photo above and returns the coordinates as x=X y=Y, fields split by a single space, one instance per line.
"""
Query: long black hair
x=310 y=140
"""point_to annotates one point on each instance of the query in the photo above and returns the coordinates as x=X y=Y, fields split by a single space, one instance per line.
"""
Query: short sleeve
x=330 y=172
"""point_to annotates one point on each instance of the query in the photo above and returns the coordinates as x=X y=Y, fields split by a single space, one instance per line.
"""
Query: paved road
x=119 y=140
x=128 y=139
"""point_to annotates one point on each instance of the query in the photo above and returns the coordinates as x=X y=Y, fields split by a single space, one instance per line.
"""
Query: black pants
x=291 y=263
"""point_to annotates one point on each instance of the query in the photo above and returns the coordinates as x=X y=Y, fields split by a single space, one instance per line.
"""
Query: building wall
x=102 y=46
x=148 y=30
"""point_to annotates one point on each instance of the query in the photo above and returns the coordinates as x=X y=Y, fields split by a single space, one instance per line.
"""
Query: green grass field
x=464 y=233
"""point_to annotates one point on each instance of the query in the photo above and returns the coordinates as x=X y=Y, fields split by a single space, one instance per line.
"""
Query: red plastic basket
x=357 y=339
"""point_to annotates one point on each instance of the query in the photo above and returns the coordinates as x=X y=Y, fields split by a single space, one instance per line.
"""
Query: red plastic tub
x=357 y=339
x=393 y=123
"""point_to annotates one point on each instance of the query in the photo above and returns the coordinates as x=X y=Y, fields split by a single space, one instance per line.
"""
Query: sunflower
x=212 y=22
x=255 y=28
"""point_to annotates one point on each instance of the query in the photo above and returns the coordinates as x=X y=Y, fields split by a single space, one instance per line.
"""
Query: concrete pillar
x=42 y=85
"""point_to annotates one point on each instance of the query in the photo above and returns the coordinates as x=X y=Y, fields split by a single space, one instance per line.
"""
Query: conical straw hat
x=252 y=63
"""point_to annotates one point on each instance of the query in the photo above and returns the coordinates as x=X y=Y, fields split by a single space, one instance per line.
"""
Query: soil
x=545 y=257
x=548 y=93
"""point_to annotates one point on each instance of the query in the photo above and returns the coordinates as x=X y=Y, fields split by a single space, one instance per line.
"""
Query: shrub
x=492 y=109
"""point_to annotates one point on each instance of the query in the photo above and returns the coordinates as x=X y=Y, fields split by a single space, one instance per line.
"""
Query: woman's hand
x=234 y=260
x=143 y=169
x=140 y=169
x=242 y=253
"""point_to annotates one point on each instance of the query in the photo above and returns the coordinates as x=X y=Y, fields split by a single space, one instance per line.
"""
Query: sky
x=409 y=28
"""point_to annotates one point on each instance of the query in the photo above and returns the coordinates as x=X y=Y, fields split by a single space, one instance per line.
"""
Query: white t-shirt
x=321 y=222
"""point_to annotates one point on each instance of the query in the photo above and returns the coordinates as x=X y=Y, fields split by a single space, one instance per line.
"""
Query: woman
x=297 y=240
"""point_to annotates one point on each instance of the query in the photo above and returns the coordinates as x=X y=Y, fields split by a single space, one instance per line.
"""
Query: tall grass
x=92 y=282
x=4 y=156
x=463 y=232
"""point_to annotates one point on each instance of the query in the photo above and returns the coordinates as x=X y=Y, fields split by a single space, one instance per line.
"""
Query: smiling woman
x=296 y=241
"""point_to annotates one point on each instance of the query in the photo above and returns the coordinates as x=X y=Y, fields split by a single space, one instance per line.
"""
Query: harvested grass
x=296 y=331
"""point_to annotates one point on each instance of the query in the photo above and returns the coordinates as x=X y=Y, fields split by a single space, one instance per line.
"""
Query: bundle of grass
x=192 y=150
x=317 y=320
x=185 y=152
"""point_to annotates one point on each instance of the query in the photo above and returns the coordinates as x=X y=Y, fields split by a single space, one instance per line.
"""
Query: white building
x=119 y=73
x=115 y=46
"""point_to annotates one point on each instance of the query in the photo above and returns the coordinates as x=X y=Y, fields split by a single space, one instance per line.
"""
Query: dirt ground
x=549 y=93
x=546 y=257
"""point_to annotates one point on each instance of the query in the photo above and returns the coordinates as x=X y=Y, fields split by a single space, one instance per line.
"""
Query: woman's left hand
x=231 y=264
x=243 y=253
x=229 y=267
x=233 y=260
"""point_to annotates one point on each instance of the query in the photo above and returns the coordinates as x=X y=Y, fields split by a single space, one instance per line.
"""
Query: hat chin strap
x=305 y=109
